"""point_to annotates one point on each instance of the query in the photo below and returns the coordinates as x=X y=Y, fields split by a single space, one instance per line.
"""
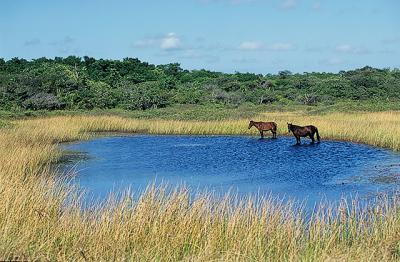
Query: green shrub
x=43 y=101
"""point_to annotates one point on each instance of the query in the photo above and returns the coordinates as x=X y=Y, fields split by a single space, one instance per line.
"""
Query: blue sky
x=261 y=36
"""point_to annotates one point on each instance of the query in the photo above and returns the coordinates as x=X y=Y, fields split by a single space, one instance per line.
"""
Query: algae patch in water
x=72 y=156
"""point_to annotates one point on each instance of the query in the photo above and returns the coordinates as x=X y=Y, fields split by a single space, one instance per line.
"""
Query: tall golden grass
x=378 y=129
x=41 y=217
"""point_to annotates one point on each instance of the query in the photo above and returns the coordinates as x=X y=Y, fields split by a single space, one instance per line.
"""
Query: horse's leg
x=298 y=140
x=273 y=133
x=262 y=133
x=312 y=138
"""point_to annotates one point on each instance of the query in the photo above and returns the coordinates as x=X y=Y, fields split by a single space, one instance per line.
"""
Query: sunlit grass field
x=378 y=129
x=41 y=218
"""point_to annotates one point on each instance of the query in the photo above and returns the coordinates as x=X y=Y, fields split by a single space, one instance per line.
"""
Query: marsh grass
x=378 y=129
x=41 y=218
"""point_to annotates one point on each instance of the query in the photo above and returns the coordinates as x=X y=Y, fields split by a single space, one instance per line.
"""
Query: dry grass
x=378 y=129
x=36 y=223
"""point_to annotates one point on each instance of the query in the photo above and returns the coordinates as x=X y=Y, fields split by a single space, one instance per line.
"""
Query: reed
x=41 y=218
x=378 y=129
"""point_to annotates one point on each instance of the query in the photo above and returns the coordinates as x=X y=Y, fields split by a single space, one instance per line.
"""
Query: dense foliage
x=87 y=83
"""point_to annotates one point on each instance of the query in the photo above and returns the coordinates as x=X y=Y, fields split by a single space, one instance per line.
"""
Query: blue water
x=240 y=164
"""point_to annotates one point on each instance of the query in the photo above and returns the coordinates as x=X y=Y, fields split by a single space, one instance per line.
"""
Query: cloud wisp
x=251 y=45
x=333 y=61
x=255 y=45
x=391 y=40
x=32 y=42
x=66 y=45
x=168 y=42
x=281 y=47
x=288 y=4
x=349 y=49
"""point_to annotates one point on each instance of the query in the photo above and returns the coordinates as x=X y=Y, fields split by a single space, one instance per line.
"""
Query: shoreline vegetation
x=42 y=219
x=381 y=129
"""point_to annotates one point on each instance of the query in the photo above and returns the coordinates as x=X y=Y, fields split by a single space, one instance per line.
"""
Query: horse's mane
x=295 y=126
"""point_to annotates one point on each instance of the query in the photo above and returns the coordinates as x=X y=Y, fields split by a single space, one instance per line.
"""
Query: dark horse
x=264 y=126
x=303 y=131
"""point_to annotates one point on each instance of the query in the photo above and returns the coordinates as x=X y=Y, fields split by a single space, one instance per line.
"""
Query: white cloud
x=281 y=47
x=349 y=49
x=251 y=45
x=166 y=42
x=170 y=42
x=344 y=48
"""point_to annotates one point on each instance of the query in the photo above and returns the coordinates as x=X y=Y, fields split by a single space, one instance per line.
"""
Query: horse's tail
x=318 y=137
x=274 y=126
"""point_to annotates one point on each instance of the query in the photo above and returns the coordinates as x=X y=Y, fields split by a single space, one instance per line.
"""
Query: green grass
x=214 y=111
x=4 y=123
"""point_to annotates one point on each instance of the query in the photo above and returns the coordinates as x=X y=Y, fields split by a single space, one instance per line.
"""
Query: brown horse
x=264 y=126
x=303 y=131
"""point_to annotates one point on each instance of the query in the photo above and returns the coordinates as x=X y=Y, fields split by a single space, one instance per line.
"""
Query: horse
x=264 y=126
x=303 y=131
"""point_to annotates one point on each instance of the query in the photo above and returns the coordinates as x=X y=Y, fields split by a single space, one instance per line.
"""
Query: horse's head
x=289 y=127
x=251 y=123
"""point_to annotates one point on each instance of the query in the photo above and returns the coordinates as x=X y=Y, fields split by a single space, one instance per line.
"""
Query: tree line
x=88 y=83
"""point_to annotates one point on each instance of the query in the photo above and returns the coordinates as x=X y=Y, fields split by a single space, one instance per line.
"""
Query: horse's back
x=269 y=125
x=312 y=128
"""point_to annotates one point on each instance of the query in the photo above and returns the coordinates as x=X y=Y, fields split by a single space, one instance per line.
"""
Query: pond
x=240 y=164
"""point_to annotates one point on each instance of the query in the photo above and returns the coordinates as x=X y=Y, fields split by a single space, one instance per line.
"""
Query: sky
x=259 y=36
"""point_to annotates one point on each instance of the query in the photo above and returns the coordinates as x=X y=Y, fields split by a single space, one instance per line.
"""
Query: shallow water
x=244 y=165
